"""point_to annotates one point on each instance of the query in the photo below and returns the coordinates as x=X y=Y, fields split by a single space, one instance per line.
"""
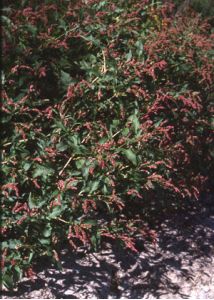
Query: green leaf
x=139 y=47
x=103 y=140
x=8 y=281
x=65 y=78
x=32 y=29
x=85 y=172
x=212 y=123
x=135 y=123
x=129 y=55
x=60 y=125
x=47 y=231
x=42 y=171
x=80 y=163
x=125 y=131
x=94 y=186
x=30 y=257
x=105 y=189
x=130 y=155
x=45 y=242
x=26 y=166
x=54 y=193
x=95 y=240
x=58 y=264
x=91 y=39
x=158 y=122
x=17 y=274
x=6 y=20
x=61 y=147
x=12 y=244
x=91 y=222
x=4 y=244
x=31 y=201
x=55 y=212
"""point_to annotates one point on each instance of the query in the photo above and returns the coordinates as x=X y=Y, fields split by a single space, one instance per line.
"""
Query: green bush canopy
x=106 y=111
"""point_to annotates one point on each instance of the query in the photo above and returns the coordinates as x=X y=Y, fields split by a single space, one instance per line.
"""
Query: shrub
x=205 y=8
x=106 y=112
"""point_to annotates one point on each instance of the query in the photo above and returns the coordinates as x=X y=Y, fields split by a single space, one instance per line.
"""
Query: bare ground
x=179 y=265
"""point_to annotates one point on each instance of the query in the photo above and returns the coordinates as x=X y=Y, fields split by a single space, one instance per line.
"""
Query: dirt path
x=180 y=265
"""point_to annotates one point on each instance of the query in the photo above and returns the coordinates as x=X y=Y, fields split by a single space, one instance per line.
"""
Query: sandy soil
x=180 y=265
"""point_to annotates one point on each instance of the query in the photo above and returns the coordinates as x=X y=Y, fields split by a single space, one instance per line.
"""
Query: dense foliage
x=205 y=7
x=106 y=112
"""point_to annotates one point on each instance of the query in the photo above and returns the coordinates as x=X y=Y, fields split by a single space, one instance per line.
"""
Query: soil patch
x=179 y=265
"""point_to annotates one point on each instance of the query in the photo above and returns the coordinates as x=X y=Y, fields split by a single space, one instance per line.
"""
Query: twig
x=60 y=173
x=63 y=221
x=104 y=69
x=116 y=133
x=7 y=144
x=85 y=138
x=95 y=79
x=10 y=143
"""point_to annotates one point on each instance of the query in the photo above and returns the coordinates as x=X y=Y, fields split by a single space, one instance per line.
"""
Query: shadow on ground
x=179 y=265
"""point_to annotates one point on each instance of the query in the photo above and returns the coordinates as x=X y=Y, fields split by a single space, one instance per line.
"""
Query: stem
x=60 y=173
